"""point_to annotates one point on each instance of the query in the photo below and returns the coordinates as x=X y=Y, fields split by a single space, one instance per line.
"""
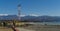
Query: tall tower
x=19 y=9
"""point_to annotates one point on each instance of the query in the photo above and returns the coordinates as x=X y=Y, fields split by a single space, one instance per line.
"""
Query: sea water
x=43 y=23
x=48 y=23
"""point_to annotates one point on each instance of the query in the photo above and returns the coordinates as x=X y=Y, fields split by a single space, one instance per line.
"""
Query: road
x=22 y=29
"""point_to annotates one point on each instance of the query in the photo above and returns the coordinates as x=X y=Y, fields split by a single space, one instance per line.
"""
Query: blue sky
x=8 y=7
x=34 y=7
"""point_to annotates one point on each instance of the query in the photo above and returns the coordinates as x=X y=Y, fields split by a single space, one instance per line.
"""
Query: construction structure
x=19 y=9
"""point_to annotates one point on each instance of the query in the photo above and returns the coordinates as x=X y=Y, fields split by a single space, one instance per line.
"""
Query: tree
x=4 y=24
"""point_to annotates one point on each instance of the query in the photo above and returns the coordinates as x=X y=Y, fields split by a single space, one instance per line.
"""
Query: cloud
x=3 y=14
x=29 y=15
x=34 y=15
x=22 y=15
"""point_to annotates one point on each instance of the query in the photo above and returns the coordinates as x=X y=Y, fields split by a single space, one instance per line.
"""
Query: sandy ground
x=43 y=27
x=23 y=29
x=5 y=29
x=35 y=27
x=18 y=28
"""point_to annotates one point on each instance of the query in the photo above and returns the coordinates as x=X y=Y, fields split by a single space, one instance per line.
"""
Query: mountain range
x=33 y=18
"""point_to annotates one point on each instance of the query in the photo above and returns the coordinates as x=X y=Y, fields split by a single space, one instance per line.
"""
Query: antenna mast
x=19 y=9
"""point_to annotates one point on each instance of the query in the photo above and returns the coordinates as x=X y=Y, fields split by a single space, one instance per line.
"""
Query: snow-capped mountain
x=31 y=18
